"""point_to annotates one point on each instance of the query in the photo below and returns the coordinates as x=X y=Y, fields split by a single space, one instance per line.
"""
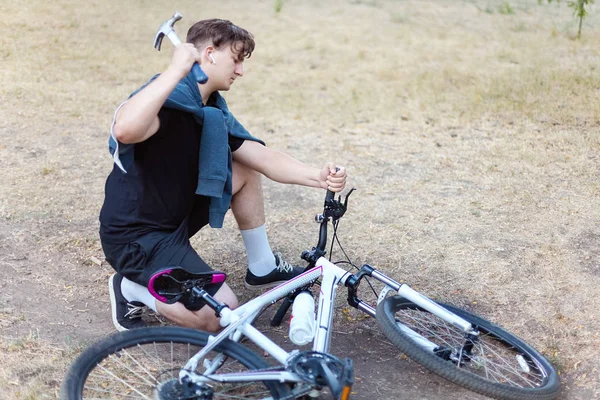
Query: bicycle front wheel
x=496 y=364
x=137 y=364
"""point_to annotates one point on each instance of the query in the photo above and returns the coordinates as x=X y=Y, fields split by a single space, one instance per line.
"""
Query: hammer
x=166 y=29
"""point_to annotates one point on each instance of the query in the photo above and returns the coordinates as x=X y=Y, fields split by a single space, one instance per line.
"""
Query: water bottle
x=302 y=324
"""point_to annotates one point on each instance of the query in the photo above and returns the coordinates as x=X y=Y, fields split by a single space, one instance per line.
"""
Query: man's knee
x=226 y=295
x=244 y=175
x=206 y=320
x=206 y=315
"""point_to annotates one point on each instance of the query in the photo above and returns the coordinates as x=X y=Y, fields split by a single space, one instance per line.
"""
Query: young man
x=181 y=160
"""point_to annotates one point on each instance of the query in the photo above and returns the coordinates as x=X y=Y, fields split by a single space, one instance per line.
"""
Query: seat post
x=210 y=301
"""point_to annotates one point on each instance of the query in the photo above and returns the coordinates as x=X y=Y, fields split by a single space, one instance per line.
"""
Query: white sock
x=261 y=260
x=136 y=292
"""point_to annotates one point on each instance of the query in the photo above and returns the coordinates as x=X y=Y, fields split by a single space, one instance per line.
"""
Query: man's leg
x=136 y=295
x=248 y=208
x=247 y=204
x=264 y=268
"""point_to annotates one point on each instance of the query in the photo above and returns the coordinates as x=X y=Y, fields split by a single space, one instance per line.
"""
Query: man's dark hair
x=221 y=32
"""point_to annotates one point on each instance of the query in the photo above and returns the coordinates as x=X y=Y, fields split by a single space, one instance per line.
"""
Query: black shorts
x=138 y=261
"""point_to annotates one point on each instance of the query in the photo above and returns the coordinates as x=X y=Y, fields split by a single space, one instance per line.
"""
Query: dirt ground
x=471 y=130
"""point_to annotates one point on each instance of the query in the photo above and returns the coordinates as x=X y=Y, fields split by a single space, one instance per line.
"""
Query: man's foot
x=283 y=271
x=125 y=315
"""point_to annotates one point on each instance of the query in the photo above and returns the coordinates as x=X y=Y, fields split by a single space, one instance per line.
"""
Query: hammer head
x=165 y=29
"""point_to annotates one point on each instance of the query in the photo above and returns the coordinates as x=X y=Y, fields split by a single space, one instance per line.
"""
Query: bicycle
x=179 y=363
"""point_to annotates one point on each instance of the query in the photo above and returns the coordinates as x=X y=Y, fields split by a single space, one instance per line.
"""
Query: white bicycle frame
x=238 y=322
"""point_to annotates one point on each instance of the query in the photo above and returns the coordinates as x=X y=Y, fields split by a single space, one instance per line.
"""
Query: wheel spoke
x=513 y=368
x=124 y=382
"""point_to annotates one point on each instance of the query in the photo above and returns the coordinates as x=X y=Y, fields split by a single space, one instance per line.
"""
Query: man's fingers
x=331 y=167
x=336 y=179
x=336 y=170
x=336 y=184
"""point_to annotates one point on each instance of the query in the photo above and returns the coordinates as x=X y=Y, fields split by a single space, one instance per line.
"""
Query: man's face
x=227 y=67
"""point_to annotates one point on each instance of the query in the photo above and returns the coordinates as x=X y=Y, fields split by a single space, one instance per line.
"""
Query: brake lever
x=335 y=209
x=346 y=200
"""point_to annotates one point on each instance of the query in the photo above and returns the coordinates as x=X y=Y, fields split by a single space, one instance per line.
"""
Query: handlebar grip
x=329 y=196
x=199 y=74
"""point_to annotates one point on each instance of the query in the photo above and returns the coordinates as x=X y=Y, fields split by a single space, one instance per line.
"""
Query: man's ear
x=207 y=54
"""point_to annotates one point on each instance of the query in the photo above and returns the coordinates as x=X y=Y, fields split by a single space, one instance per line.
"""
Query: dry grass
x=32 y=369
x=473 y=137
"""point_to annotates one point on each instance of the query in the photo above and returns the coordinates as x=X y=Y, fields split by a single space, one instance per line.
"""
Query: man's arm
x=137 y=119
x=282 y=168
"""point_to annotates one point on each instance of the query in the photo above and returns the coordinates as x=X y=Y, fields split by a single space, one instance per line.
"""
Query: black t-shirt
x=158 y=191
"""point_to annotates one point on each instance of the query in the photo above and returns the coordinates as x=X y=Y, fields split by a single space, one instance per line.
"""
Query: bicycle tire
x=479 y=373
x=142 y=359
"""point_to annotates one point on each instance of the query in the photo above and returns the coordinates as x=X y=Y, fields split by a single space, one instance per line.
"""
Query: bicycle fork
x=403 y=290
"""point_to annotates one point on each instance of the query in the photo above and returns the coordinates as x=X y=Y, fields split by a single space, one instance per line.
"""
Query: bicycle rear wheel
x=136 y=364
x=499 y=365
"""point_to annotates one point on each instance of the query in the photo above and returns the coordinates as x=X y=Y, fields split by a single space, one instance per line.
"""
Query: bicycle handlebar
x=332 y=209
